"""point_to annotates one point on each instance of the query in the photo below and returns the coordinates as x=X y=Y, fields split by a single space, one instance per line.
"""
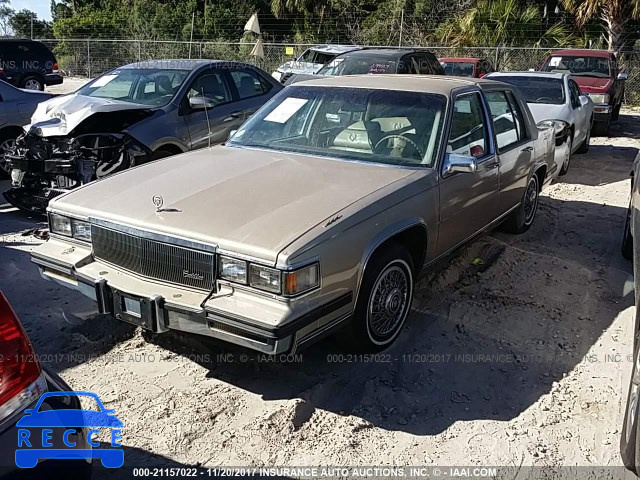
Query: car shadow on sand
x=491 y=330
x=608 y=161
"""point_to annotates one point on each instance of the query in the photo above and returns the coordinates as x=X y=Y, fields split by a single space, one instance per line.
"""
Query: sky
x=41 y=7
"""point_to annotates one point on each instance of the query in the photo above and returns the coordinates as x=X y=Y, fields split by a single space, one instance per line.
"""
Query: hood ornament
x=158 y=201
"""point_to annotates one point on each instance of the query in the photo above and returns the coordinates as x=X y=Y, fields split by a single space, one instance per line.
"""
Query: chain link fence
x=92 y=57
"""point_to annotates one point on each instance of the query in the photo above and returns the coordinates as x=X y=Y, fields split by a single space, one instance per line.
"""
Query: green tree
x=25 y=24
x=615 y=14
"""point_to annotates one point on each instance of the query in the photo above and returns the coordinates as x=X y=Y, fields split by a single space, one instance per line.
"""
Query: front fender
x=385 y=234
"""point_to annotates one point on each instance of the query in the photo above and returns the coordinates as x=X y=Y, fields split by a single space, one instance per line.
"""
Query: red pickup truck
x=597 y=74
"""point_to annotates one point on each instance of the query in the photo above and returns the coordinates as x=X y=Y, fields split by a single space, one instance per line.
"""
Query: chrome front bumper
x=169 y=310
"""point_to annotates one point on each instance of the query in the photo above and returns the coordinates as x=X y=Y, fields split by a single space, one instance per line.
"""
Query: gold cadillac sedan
x=320 y=212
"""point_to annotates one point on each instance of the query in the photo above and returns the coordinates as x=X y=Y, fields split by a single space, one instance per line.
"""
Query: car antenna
x=206 y=114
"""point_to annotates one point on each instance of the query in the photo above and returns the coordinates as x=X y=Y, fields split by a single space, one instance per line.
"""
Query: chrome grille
x=154 y=259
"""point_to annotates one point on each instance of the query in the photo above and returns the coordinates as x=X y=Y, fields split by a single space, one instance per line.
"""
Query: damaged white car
x=127 y=117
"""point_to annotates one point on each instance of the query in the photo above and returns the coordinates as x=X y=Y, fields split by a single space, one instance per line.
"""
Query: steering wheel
x=544 y=100
x=402 y=137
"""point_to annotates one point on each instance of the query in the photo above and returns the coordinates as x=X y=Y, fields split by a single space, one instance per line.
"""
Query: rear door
x=218 y=121
x=514 y=144
x=468 y=201
x=252 y=90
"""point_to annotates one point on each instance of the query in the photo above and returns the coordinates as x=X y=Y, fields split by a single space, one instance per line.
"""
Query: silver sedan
x=555 y=99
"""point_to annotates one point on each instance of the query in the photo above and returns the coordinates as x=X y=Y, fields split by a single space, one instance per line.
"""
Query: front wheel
x=627 y=237
x=565 y=164
x=6 y=144
x=384 y=300
x=522 y=218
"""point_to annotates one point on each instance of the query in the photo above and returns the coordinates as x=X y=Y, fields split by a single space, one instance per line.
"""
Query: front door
x=582 y=122
x=468 y=201
x=216 y=122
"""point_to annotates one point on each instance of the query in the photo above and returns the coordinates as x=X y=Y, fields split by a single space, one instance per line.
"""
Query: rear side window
x=508 y=121
x=248 y=83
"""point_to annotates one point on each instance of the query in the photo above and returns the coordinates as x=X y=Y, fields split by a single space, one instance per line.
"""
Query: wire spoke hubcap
x=32 y=85
x=530 y=202
x=389 y=301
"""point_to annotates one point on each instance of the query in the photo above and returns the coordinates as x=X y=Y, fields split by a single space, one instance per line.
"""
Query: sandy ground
x=69 y=84
x=523 y=360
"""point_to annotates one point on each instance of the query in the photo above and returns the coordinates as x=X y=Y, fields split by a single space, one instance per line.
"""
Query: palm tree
x=502 y=23
x=614 y=13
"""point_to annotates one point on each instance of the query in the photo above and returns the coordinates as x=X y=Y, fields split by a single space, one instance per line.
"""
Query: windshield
x=381 y=126
x=579 y=65
x=137 y=85
x=359 y=65
x=537 y=90
x=458 y=69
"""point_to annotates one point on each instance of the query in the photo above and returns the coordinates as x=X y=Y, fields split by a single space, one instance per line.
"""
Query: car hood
x=252 y=202
x=60 y=115
x=547 y=111
x=593 y=84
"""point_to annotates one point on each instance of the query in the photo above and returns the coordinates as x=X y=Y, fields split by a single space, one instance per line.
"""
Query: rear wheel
x=601 y=129
x=616 y=112
x=32 y=83
x=584 y=146
x=522 y=218
x=384 y=301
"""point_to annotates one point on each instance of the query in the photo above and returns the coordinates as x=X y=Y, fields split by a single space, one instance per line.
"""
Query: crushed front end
x=44 y=167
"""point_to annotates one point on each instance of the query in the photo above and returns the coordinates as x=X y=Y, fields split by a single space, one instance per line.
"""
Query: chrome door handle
x=492 y=165
x=527 y=149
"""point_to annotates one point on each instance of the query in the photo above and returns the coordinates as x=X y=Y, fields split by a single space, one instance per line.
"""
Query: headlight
x=560 y=127
x=302 y=280
x=81 y=230
x=233 y=269
x=265 y=278
x=70 y=227
x=59 y=224
x=600 y=98
x=289 y=283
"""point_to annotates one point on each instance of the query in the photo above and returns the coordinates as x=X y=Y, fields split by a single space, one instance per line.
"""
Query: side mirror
x=623 y=76
x=584 y=100
x=459 y=163
x=200 y=103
